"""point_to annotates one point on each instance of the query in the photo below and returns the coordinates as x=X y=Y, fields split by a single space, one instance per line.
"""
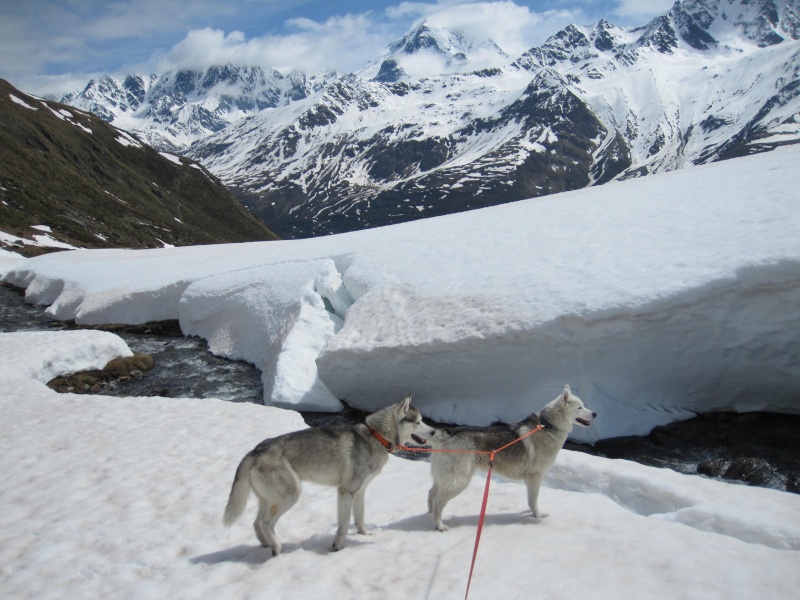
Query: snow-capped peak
x=429 y=50
x=762 y=22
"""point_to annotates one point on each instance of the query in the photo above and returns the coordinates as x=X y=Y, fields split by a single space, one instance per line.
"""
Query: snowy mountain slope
x=69 y=179
x=709 y=80
x=426 y=130
x=362 y=153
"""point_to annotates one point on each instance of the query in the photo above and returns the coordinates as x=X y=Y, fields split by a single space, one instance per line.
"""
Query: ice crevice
x=331 y=287
x=277 y=317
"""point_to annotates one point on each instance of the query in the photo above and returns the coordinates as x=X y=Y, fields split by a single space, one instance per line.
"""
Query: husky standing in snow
x=527 y=460
x=346 y=456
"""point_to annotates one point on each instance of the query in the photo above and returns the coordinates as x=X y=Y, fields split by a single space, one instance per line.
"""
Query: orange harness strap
x=386 y=443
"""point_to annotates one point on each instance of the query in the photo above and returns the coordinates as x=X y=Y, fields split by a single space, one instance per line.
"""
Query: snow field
x=123 y=497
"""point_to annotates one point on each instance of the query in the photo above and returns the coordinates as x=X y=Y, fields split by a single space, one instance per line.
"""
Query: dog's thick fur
x=527 y=460
x=346 y=456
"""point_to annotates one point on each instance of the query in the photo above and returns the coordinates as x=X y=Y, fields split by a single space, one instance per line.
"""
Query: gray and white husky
x=346 y=456
x=527 y=460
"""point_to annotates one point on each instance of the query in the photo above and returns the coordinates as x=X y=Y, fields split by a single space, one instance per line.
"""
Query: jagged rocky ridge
x=311 y=155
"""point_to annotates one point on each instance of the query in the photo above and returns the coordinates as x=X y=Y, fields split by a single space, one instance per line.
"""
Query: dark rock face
x=761 y=449
x=390 y=72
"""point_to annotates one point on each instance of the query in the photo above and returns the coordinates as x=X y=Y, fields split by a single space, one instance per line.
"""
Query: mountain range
x=442 y=123
x=68 y=176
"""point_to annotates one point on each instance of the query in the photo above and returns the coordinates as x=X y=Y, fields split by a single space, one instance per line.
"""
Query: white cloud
x=340 y=43
x=347 y=43
x=641 y=10
x=514 y=28
x=43 y=42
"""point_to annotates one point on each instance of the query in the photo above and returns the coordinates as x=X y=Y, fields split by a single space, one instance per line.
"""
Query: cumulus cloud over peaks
x=340 y=43
x=348 y=42
x=642 y=9
x=512 y=27
x=48 y=40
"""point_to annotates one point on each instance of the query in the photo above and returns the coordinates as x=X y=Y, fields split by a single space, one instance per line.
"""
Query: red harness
x=384 y=442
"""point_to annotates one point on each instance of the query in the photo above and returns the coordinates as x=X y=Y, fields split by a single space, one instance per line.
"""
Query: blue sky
x=48 y=46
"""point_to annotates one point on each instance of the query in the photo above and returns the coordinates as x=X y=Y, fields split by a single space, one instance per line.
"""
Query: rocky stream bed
x=761 y=449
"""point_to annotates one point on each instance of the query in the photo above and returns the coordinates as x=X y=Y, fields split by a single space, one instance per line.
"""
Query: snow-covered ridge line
x=653 y=298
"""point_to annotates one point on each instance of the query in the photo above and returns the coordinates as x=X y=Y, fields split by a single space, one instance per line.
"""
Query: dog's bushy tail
x=240 y=492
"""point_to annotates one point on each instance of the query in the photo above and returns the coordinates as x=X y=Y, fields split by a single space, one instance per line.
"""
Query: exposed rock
x=760 y=449
x=97 y=380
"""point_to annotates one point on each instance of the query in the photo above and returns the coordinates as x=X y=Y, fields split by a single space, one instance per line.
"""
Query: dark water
x=756 y=448
x=184 y=367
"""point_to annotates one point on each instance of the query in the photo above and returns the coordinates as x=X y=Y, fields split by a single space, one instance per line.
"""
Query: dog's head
x=411 y=428
x=567 y=411
x=575 y=409
x=401 y=424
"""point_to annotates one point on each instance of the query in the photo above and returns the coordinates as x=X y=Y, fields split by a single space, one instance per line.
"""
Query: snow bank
x=45 y=355
x=275 y=318
x=653 y=298
x=108 y=497
x=8 y=260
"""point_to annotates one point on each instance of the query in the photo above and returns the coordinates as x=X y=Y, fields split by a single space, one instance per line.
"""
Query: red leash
x=482 y=516
x=480 y=523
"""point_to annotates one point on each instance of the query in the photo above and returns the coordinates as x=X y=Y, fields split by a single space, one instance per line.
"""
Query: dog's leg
x=265 y=531
x=278 y=489
x=451 y=475
x=359 y=511
x=345 y=509
x=534 y=483
x=436 y=506
x=440 y=494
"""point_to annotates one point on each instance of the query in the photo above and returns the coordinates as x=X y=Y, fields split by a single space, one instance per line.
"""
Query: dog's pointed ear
x=565 y=394
x=407 y=403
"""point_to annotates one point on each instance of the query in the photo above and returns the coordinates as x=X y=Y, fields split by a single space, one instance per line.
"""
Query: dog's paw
x=364 y=531
x=442 y=527
x=537 y=514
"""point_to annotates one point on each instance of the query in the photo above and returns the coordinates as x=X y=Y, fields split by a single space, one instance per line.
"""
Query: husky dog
x=346 y=456
x=527 y=460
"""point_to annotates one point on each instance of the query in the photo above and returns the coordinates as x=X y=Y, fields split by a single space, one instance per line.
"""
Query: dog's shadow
x=243 y=553
x=424 y=521
x=255 y=555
